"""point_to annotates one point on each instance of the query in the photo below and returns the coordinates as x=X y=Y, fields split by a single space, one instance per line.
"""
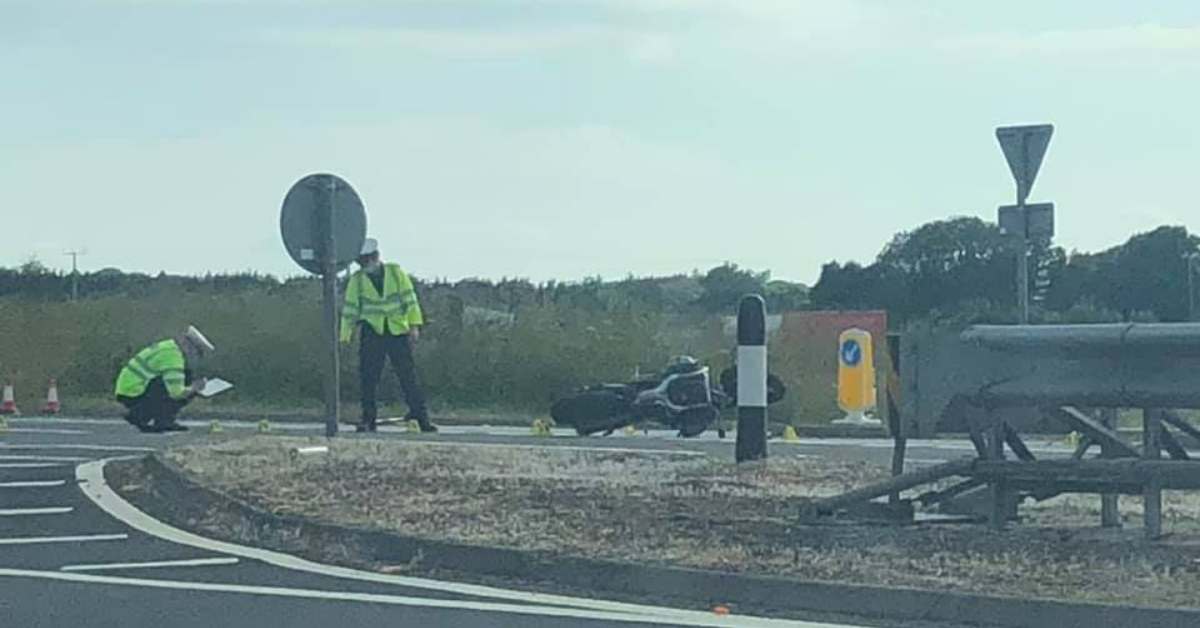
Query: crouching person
x=157 y=382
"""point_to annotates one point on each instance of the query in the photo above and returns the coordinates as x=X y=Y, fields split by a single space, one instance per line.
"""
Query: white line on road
x=69 y=420
x=32 y=540
x=91 y=482
x=29 y=512
x=702 y=620
x=195 y=562
x=46 y=458
x=29 y=465
x=33 y=484
x=76 y=446
x=38 y=430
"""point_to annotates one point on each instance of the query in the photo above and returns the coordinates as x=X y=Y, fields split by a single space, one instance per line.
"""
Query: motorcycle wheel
x=693 y=421
x=592 y=411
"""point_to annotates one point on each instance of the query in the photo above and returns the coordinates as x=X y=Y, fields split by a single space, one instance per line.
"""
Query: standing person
x=382 y=303
x=157 y=382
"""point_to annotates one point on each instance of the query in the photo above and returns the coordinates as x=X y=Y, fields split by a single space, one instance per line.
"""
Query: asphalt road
x=72 y=555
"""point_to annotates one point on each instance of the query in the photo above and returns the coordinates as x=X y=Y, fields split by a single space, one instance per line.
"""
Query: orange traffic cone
x=8 y=405
x=52 y=406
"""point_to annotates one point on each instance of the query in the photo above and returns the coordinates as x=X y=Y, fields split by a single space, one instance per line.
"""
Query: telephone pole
x=74 y=254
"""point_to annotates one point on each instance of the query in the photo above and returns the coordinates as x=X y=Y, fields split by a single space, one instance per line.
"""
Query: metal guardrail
x=1117 y=339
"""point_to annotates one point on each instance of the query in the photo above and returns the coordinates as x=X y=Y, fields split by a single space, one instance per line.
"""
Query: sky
x=561 y=139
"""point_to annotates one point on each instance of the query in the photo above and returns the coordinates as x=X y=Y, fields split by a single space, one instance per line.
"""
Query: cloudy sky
x=567 y=138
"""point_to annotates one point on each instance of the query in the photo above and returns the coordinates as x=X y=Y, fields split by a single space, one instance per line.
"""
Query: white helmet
x=370 y=246
x=198 y=340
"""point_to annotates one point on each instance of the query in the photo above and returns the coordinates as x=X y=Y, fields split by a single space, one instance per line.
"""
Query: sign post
x=323 y=226
x=1024 y=148
x=1191 y=284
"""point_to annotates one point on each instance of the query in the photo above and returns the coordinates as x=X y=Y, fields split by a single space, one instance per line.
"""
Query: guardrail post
x=1000 y=492
x=1109 y=515
x=1152 y=491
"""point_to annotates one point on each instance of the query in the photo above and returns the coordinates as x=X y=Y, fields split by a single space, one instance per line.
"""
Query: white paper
x=215 y=386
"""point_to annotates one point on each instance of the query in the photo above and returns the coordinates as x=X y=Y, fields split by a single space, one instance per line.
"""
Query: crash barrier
x=1055 y=372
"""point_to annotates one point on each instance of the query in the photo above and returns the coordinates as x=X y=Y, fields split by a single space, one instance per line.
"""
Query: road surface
x=73 y=553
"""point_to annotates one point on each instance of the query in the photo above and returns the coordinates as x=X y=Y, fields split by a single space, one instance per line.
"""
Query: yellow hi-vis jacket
x=396 y=309
x=162 y=359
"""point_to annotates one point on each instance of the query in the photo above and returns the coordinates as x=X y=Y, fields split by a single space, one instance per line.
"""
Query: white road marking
x=31 y=540
x=703 y=620
x=91 y=482
x=29 y=465
x=59 y=419
x=33 y=484
x=75 y=446
x=38 y=430
x=195 y=562
x=29 y=512
x=46 y=458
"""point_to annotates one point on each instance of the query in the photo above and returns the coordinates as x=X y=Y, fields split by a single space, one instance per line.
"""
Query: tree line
x=963 y=270
x=954 y=271
x=717 y=290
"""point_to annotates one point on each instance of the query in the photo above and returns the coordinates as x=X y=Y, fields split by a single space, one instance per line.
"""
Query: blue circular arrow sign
x=850 y=352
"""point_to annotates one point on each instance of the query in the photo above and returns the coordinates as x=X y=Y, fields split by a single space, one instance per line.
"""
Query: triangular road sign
x=1024 y=147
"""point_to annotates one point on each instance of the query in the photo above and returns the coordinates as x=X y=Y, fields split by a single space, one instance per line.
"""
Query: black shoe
x=148 y=428
x=428 y=428
x=174 y=427
x=361 y=429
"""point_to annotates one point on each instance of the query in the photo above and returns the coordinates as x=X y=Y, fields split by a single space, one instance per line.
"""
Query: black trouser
x=373 y=348
x=154 y=408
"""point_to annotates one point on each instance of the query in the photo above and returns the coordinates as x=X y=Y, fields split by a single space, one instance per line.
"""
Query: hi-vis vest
x=397 y=307
x=162 y=359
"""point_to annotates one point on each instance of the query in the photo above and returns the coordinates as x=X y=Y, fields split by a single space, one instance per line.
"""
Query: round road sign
x=315 y=206
x=851 y=352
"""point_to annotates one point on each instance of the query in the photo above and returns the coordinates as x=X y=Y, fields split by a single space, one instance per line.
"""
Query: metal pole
x=1191 y=283
x=1023 y=278
x=1023 y=252
x=329 y=317
x=752 y=379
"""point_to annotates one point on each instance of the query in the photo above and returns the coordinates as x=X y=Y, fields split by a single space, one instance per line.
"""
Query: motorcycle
x=683 y=397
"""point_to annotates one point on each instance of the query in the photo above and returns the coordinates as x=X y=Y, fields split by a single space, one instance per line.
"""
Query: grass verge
x=694 y=511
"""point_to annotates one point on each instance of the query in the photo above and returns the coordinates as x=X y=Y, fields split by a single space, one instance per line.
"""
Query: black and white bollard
x=752 y=379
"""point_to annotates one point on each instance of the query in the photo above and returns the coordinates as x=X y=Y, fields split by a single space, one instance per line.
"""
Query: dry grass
x=1180 y=511
x=694 y=511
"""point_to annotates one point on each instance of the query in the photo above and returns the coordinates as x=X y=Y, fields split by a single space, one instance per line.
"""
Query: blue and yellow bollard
x=856 y=377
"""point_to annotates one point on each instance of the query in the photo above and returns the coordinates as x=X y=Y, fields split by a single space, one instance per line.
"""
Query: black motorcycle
x=683 y=397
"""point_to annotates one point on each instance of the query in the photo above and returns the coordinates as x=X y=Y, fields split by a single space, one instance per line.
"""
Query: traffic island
x=669 y=527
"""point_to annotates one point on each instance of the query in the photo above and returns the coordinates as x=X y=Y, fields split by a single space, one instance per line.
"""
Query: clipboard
x=214 y=387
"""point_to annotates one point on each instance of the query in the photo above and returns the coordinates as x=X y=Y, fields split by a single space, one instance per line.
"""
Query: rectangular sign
x=1034 y=221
